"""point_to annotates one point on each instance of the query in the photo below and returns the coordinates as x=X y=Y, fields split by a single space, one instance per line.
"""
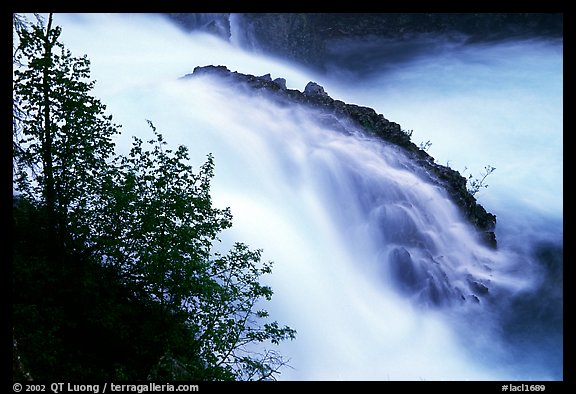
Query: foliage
x=116 y=272
x=161 y=236
x=425 y=145
x=63 y=138
x=475 y=184
x=72 y=318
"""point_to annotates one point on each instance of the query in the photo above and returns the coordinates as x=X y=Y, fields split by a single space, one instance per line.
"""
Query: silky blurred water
x=374 y=267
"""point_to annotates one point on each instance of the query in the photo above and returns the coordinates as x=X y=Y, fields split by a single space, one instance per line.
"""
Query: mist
x=310 y=197
x=498 y=104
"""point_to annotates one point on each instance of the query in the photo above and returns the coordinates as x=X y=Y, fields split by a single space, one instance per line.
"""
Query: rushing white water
x=339 y=213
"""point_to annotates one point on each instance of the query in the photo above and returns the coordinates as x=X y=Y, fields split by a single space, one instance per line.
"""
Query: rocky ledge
x=373 y=124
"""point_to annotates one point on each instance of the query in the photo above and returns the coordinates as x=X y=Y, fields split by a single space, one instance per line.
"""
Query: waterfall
x=374 y=266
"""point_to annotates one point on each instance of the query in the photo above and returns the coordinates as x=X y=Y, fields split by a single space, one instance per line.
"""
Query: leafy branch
x=475 y=184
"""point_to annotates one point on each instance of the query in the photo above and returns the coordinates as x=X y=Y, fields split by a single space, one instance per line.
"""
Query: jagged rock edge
x=376 y=125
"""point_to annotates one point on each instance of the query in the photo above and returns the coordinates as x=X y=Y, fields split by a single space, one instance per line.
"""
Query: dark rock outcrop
x=346 y=40
x=373 y=124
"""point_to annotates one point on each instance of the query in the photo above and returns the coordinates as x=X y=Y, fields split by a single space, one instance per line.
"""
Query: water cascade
x=374 y=265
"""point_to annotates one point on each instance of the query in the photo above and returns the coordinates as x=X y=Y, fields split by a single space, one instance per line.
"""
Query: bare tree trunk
x=49 y=187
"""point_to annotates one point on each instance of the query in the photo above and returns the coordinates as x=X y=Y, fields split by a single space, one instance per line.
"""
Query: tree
x=161 y=234
x=62 y=139
x=144 y=222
